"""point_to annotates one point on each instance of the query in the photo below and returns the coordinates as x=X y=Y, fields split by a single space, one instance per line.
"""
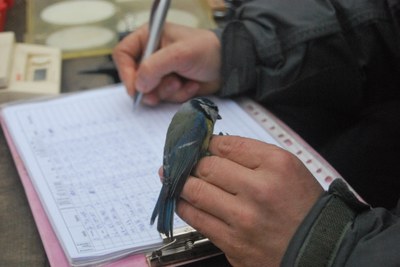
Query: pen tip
x=136 y=100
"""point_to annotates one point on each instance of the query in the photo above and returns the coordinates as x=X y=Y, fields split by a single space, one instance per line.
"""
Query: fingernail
x=171 y=88
x=150 y=100
x=140 y=86
x=192 y=89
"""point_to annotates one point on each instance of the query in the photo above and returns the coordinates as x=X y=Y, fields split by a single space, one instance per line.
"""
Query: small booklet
x=93 y=162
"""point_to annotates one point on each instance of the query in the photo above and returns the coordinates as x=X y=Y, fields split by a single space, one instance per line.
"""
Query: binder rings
x=189 y=245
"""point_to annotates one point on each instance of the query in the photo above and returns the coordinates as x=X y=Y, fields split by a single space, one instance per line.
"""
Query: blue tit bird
x=186 y=142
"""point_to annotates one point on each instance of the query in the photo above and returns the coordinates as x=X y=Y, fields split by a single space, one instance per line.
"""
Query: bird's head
x=207 y=107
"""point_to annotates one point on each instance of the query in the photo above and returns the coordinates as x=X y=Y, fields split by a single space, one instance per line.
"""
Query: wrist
x=318 y=238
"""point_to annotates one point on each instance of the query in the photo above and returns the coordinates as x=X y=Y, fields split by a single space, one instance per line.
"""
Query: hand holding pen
x=185 y=63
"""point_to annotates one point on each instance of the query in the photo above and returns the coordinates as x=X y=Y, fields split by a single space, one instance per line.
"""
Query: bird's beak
x=219 y=117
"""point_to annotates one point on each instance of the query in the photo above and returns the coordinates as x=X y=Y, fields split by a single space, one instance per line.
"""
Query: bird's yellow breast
x=210 y=130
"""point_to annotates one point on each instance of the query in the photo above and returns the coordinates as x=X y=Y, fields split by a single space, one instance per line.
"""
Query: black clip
x=188 y=245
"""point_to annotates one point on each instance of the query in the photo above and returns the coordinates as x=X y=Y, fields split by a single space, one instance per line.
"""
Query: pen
x=158 y=14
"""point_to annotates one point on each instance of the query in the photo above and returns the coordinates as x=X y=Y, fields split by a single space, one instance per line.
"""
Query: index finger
x=250 y=153
x=127 y=53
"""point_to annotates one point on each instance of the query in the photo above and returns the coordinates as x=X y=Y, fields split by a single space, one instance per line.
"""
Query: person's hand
x=187 y=64
x=248 y=198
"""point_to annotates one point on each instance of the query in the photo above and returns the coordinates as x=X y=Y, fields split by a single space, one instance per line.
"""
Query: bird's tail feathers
x=164 y=209
x=166 y=217
x=155 y=212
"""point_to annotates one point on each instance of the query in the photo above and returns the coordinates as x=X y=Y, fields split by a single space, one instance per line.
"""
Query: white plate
x=78 y=12
x=80 y=38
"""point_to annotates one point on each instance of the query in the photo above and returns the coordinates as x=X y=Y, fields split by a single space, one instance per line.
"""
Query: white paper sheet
x=94 y=163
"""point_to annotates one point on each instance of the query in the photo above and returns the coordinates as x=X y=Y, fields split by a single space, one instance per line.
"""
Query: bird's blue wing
x=183 y=150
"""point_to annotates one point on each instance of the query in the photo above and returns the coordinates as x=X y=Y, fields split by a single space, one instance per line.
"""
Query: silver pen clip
x=158 y=15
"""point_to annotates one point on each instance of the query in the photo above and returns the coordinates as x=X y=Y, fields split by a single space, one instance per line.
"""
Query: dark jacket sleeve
x=331 y=71
x=309 y=51
x=342 y=231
